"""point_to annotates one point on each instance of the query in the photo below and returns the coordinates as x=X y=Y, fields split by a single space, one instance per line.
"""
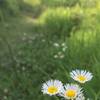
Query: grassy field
x=46 y=40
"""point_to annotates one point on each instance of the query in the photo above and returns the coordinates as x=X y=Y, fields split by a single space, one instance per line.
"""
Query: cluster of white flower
x=68 y=91
x=62 y=48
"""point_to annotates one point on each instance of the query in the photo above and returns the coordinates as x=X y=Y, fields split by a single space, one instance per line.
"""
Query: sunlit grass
x=30 y=54
x=33 y=2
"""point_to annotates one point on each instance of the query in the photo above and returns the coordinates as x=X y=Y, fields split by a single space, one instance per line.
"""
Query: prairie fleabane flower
x=80 y=97
x=71 y=91
x=81 y=76
x=52 y=87
x=56 y=45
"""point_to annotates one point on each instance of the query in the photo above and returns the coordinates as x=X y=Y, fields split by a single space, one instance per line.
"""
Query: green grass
x=28 y=54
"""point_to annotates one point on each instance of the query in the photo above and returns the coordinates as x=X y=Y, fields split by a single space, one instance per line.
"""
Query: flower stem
x=57 y=98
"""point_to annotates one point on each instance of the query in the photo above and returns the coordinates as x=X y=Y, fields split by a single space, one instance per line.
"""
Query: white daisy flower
x=80 y=97
x=81 y=76
x=71 y=91
x=52 y=87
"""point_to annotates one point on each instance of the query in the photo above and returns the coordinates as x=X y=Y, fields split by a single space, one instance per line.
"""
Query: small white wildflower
x=24 y=34
x=71 y=91
x=5 y=97
x=63 y=44
x=43 y=40
x=23 y=68
x=52 y=87
x=56 y=44
x=5 y=90
x=81 y=76
x=60 y=53
x=62 y=56
x=55 y=56
x=64 y=49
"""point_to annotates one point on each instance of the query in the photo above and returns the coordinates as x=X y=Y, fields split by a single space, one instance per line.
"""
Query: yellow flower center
x=81 y=78
x=70 y=93
x=52 y=89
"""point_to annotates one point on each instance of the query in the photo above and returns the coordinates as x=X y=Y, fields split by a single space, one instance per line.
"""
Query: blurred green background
x=29 y=56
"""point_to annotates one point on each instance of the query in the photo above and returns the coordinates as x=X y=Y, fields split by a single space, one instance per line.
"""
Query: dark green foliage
x=9 y=8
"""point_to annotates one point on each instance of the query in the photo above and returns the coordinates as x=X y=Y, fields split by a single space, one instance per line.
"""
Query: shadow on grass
x=31 y=10
x=11 y=32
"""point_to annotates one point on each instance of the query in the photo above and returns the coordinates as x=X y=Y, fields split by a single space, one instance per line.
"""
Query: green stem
x=57 y=98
